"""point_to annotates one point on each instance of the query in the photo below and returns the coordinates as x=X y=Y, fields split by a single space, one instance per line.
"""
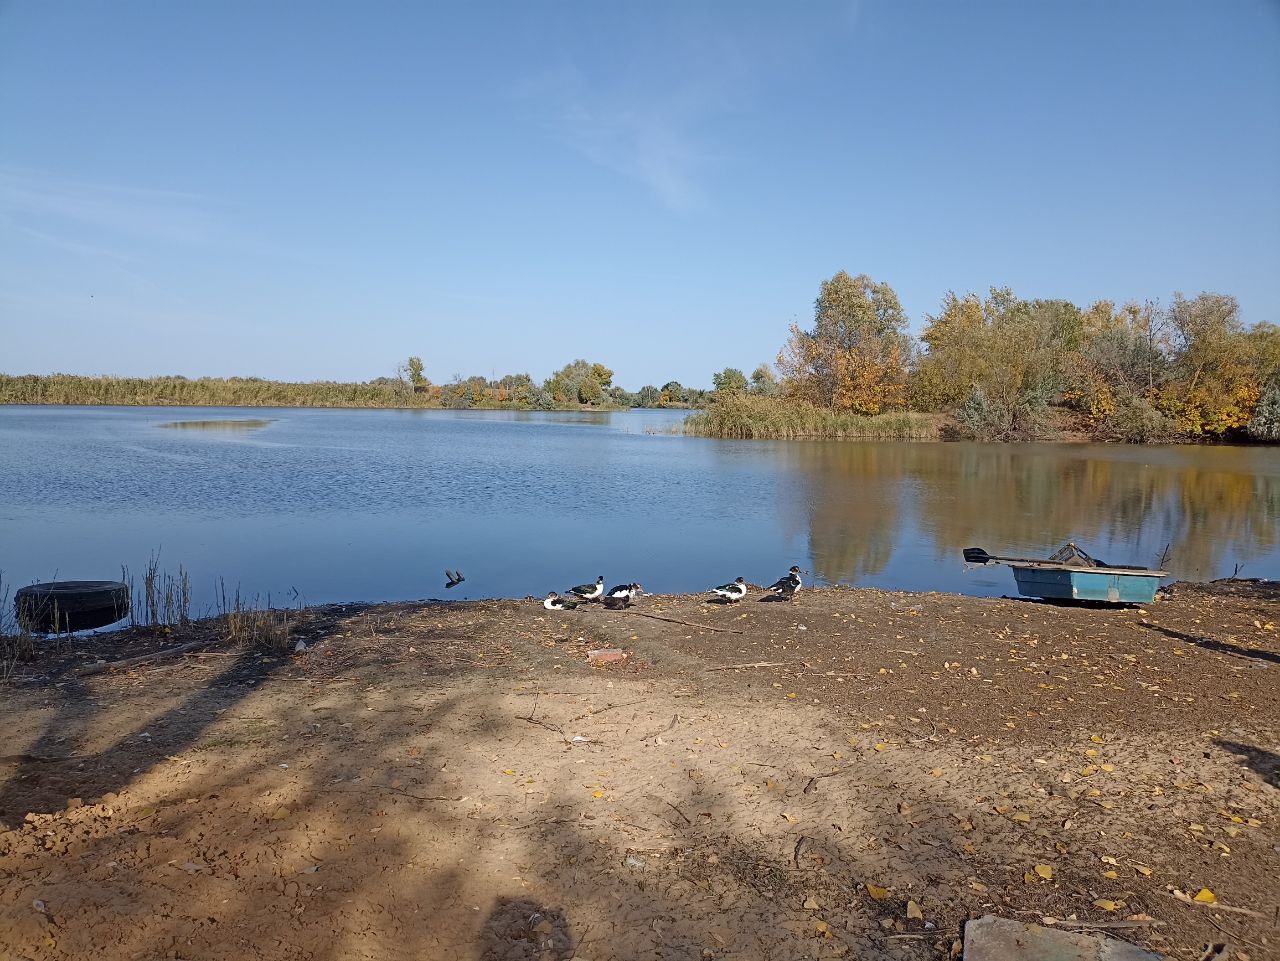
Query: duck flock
x=784 y=588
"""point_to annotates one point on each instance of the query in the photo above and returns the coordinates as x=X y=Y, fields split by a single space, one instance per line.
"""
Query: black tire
x=65 y=606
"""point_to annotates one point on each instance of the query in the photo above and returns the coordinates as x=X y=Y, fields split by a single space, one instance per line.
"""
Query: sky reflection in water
x=373 y=505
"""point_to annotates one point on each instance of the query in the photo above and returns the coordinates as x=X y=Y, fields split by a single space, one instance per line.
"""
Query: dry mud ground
x=457 y=781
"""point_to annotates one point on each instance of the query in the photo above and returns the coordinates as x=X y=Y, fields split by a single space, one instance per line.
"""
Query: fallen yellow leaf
x=1143 y=870
x=1206 y=897
x=877 y=894
x=1105 y=904
x=1045 y=871
x=1110 y=874
x=914 y=912
x=881 y=746
x=822 y=928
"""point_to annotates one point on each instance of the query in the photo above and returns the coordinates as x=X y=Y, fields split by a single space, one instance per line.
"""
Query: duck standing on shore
x=622 y=596
x=555 y=602
x=787 y=585
x=732 y=593
x=588 y=592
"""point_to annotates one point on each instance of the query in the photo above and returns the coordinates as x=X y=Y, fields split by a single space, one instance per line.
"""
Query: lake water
x=336 y=505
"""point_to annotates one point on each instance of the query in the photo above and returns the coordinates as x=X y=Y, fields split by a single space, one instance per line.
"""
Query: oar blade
x=976 y=555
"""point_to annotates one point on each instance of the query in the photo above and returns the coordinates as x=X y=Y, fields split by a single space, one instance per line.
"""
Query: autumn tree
x=1215 y=384
x=855 y=357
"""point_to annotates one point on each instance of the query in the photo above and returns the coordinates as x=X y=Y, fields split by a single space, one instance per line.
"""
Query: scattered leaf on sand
x=811 y=904
x=1045 y=871
x=822 y=928
x=914 y=912
x=1105 y=904
x=1205 y=896
x=1143 y=870
x=877 y=894
x=881 y=746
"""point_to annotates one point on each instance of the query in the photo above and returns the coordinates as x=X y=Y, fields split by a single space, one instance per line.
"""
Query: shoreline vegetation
x=994 y=368
x=745 y=416
x=579 y=385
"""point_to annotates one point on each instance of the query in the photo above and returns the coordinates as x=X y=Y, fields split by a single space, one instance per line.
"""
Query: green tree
x=580 y=382
x=648 y=396
x=729 y=381
x=414 y=368
x=672 y=393
x=764 y=381
x=856 y=355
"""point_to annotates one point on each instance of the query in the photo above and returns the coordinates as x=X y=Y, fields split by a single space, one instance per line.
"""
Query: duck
x=452 y=578
x=787 y=585
x=554 y=602
x=588 y=592
x=622 y=595
x=731 y=593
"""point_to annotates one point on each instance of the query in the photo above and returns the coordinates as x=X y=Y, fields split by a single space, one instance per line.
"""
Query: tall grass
x=249 y=621
x=746 y=416
x=16 y=643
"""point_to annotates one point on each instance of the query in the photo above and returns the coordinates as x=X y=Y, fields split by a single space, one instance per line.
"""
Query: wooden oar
x=976 y=555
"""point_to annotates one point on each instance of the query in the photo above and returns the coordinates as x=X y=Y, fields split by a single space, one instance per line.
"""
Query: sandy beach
x=854 y=774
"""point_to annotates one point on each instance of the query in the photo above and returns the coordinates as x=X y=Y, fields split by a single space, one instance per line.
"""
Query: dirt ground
x=854 y=774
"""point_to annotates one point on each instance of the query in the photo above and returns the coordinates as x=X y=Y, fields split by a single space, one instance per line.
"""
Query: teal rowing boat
x=1070 y=574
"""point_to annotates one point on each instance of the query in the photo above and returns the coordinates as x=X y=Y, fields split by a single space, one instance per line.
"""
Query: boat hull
x=1108 y=586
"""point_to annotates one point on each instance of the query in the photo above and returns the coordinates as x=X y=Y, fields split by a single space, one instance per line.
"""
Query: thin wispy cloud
x=50 y=205
x=655 y=137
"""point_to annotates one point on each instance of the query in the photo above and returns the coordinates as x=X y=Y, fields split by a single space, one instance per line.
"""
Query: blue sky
x=317 y=190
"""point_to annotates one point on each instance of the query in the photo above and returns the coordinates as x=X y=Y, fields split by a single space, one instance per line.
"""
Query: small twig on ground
x=393 y=790
x=549 y=727
x=678 y=811
x=795 y=854
x=1214 y=906
x=675 y=718
x=735 y=667
x=672 y=620
x=603 y=709
x=1107 y=924
x=930 y=737
x=1232 y=934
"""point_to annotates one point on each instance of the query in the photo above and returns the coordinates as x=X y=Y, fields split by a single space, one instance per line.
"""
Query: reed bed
x=752 y=417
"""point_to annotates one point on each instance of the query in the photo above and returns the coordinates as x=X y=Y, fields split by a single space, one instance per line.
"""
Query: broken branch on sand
x=142 y=658
x=672 y=620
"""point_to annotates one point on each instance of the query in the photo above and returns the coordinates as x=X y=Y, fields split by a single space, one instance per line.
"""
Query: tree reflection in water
x=1212 y=506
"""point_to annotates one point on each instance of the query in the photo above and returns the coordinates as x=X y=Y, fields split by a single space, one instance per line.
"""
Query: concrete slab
x=998 y=939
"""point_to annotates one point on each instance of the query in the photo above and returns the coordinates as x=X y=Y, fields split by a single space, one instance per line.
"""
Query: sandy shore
x=853 y=774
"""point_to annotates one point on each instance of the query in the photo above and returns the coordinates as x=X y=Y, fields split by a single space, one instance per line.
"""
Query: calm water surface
x=327 y=505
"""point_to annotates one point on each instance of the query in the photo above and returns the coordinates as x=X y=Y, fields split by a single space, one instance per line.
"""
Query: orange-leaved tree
x=856 y=356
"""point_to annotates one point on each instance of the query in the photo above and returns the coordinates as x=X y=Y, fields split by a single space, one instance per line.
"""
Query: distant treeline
x=1002 y=368
x=575 y=386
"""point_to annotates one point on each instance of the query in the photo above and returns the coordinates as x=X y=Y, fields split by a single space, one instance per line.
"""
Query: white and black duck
x=731 y=593
x=554 y=602
x=622 y=595
x=788 y=584
x=588 y=592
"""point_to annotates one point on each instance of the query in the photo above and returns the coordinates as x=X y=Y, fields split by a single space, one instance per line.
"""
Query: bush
x=1136 y=421
x=1026 y=417
x=1265 y=422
